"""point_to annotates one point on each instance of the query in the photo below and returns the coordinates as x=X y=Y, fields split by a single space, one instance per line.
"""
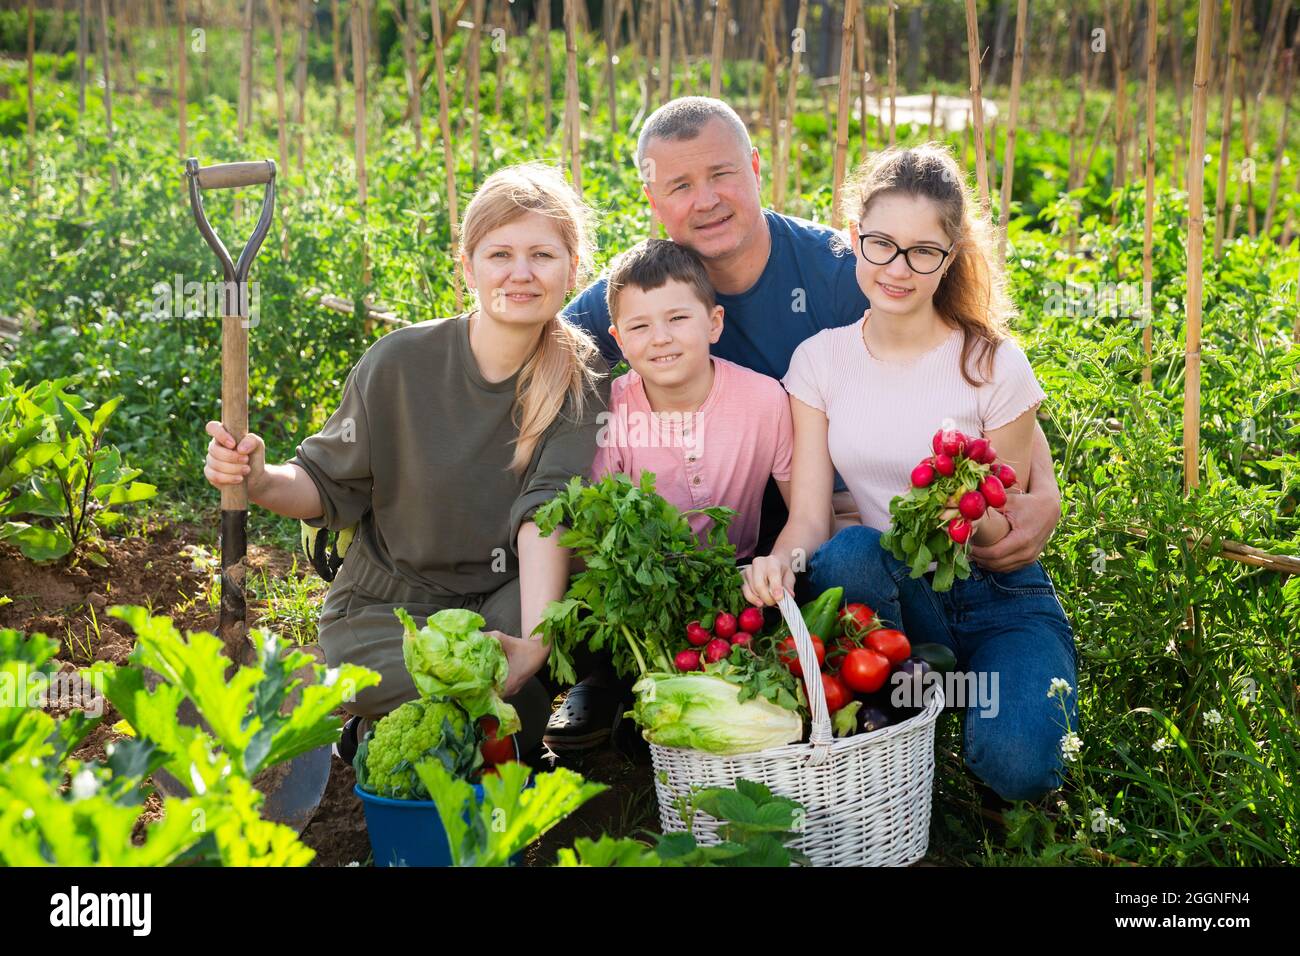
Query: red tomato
x=858 y=616
x=864 y=670
x=495 y=749
x=790 y=656
x=837 y=694
x=891 y=643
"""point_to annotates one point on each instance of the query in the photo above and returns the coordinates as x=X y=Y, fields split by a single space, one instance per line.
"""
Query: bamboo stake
x=572 y=114
x=501 y=47
x=611 y=31
x=448 y=158
x=243 y=117
x=665 y=50
x=1234 y=58
x=771 y=66
x=682 y=46
x=1009 y=156
x=993 y=158
x=337 y=49
x=106 y=54
x=1195 y=246
x=277 y=35
x=1080 y=123
x=1175 y=58
x=360 y=13
x=1247 y=173
x=842 y=109
x=893 y=77
x=1096 y=140
x=31 y=96
x=977 y=102
x=1276 y=28
x=475 y=63
x=719 y=46
x=782 y=163
x=300 y=81
x=1121 y=96
x=860 y=61
x=1149 y=217
x=83 y=42
x=182 y=102
x=1289 y=70
x=646 y=46
x=410 y=23
x=544 y=28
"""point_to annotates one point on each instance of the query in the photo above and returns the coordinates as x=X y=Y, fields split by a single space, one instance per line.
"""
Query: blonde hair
x=559 y=367
x=972 y=294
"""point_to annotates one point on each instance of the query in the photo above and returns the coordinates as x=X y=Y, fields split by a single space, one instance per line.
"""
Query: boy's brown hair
x=651 y=264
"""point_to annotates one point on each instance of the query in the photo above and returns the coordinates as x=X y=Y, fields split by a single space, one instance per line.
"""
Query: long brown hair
x=559 y=368
x=972 y=295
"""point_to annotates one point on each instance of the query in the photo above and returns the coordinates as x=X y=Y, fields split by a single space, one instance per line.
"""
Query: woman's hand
x=229 y=464
x=767 y=579
x=526 y=658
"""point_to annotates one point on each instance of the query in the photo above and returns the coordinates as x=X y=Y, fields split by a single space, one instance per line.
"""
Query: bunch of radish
x=708 y=646
x=951 y=490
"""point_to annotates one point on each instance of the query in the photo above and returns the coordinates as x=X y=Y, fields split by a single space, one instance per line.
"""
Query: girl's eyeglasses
x=881 y=251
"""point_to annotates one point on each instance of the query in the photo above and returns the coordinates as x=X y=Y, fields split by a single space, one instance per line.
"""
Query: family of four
x=811 y=367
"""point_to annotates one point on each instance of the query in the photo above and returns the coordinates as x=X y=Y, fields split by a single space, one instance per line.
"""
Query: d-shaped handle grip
x=232 y=175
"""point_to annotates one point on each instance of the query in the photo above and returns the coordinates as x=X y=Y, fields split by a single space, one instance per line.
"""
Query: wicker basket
x=866 y=797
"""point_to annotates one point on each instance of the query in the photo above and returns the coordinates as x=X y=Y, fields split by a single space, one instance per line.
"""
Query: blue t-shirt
x=807 y=285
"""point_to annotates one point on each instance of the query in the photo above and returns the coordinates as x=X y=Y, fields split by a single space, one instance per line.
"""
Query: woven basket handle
x=821 y=737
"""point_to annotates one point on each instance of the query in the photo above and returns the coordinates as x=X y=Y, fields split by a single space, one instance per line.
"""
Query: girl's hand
x=229 y=464
x=526 y=658
x=767 y=579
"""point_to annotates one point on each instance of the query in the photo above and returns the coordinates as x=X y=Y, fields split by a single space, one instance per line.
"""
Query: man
x=780 y=280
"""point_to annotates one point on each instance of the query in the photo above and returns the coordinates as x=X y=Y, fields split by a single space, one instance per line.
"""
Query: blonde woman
x=449 y=435
x=866 y=399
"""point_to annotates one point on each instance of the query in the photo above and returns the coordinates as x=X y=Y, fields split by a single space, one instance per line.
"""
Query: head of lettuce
x=451 y=658
x=703 y=712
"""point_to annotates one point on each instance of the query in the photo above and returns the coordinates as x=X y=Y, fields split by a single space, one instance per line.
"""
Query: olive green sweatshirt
x=418 y=453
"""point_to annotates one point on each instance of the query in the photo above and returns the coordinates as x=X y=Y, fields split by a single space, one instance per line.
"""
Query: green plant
x=511 y=815
x=55 y=465
x=259 y=718
x=645 y=574
x=756 y=827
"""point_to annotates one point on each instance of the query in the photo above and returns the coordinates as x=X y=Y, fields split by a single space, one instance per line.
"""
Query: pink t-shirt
x=721 y=455
x=882 y=415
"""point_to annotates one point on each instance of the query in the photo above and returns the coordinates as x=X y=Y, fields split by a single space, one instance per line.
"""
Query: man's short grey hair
x=683 y=118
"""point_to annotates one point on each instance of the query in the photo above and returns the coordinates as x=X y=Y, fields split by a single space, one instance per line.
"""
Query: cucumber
x=939 y=656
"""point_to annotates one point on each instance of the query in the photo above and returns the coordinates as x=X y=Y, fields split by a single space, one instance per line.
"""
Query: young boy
x=709 y=430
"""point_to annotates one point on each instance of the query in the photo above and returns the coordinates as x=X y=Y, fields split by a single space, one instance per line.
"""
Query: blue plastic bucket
x=410 y=832
x=407 y=832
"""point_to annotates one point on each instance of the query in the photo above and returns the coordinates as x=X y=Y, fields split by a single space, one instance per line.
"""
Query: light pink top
x=882 y=415
x=720 y=455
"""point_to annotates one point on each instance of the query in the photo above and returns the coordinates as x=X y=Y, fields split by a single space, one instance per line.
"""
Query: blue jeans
x=1008 y=630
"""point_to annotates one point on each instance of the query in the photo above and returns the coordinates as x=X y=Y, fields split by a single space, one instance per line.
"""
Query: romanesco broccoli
x=427 y=728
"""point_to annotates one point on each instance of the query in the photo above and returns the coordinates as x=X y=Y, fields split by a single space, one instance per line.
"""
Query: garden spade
x=294 y=790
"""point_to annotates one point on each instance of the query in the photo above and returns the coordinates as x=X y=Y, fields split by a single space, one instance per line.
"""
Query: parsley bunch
x=646 y=574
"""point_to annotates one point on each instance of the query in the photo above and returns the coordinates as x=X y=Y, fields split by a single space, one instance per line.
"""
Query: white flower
x=84 y=785
x=1161 y=743
x=355 y=863
x=1213 y=718
x=1060 y=686
x=1071 y=744
x=29 y=814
